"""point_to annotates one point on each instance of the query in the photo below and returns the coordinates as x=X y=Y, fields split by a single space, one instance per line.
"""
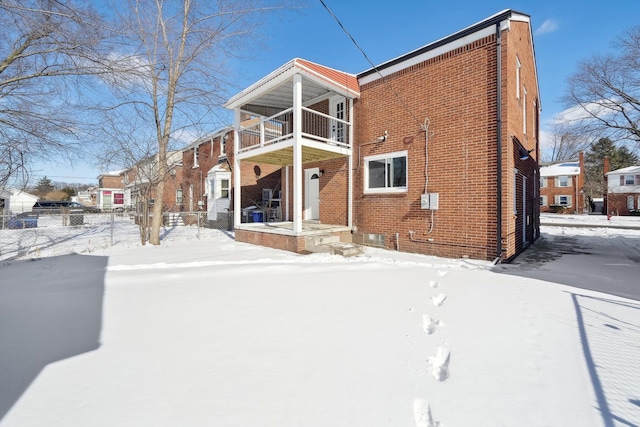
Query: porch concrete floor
x=309 y=228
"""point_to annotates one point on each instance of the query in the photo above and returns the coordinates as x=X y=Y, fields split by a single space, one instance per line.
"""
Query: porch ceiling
x=284 y=157
x=281 y=96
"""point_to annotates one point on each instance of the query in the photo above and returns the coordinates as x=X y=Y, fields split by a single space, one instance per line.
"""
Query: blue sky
x=565 y=32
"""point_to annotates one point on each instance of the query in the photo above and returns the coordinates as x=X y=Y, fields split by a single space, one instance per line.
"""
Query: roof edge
x=490 y=21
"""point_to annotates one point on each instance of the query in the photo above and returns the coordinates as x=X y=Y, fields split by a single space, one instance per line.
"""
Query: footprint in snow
x=422 y=414
x=438 y=299
x=429 y=324
x=433 y=284
x=440 y=364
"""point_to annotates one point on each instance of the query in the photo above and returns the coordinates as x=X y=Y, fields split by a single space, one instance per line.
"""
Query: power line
x=384 y=80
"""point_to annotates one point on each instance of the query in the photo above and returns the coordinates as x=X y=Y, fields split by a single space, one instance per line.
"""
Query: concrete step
x=345 y=249
x=319 y=243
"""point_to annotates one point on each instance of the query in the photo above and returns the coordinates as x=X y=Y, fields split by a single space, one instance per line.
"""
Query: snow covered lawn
x=211 y=332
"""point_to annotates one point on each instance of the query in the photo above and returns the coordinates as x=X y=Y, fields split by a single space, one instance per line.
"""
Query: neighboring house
x=208 y=177
x=111 y=191
x=88 y=197
x=140 y=183
x=562 y=187
x=433 y=152
x=21 y=201
x=623 y=191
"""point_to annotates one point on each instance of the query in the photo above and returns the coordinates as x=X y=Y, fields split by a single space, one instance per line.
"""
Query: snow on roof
x=561 y=169
x=631 y=170
x=113 y=173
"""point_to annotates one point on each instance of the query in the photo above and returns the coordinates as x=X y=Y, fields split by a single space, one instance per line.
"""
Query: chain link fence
x=30 y=235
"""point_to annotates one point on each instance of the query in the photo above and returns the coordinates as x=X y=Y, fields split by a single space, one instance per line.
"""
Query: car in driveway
x=60 y=206
x=23 y=220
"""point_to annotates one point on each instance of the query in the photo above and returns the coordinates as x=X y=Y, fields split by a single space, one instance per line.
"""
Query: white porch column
x=297 y=153
x=350 y=164
x=286 y=195
x=237 y=189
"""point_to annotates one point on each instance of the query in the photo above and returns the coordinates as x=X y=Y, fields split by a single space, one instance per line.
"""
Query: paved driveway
x=607 y=263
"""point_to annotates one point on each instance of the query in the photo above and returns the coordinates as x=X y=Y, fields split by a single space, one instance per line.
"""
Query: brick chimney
x=605 y=168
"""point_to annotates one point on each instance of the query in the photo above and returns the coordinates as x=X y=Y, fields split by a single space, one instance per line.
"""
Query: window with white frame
x=629 y=179
x=543 y=201
x=179 y=196
x=515 y=191
x=224 y=188
x=518 y=67
x=563 y=200
x=543 y=182
x=630 y=202
x=223 y=145
x=386 y=173
x=195 y=157
x=524 y=110
x=563 y=181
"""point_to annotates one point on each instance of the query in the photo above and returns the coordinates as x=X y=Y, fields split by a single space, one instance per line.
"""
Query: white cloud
x=579 y=113
x=547 y=26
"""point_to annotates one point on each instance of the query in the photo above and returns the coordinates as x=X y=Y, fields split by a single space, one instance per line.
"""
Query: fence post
x=113 y=221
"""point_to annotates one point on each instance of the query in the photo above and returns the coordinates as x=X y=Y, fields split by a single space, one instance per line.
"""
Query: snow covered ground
x=209 y=332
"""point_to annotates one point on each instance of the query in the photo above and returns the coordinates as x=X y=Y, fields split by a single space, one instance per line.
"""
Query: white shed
x=21 y=201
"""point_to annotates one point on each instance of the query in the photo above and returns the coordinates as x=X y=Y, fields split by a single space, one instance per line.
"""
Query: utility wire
x=404 y=104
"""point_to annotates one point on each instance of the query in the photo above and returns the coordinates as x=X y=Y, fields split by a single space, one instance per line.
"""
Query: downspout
x=499 y=142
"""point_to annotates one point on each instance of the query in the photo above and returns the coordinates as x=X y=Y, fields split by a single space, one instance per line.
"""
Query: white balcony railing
x=315 y=126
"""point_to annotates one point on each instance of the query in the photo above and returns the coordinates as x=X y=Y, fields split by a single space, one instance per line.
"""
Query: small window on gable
x=223 y=145
x=195 y=157
x=386 y=173
x=518 y=67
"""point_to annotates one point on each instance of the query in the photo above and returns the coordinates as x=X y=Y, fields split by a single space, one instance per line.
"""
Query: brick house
x=434 y=152
x=139 y=183
x=111 y=192
x=207 y=178
x=562 y=187
x=623 y=191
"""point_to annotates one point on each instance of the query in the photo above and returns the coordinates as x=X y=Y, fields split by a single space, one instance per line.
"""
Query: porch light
x=524 y=153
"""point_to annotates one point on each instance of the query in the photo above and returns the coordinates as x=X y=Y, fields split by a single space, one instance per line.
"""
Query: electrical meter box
x=429 y=201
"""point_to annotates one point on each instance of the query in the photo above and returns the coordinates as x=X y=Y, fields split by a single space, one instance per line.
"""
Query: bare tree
x=45 y=48
x=566 y=143
x=605 y=92
x=180 y=47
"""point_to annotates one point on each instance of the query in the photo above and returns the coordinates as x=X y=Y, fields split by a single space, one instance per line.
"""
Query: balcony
x=316 y=126
x=300 y=104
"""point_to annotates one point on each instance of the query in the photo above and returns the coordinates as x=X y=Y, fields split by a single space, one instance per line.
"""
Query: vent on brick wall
x=373 y=239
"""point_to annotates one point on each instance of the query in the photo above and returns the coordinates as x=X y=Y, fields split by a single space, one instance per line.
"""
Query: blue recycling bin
x=257 y=216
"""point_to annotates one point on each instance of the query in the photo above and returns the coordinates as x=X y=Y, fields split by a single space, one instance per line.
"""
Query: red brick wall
x=457 y=92
x=553 y=189
x=111 y=181
x=254 y=178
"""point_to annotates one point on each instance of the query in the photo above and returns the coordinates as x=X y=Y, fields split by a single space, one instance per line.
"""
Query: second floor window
x=563 y=181
x=629 y=179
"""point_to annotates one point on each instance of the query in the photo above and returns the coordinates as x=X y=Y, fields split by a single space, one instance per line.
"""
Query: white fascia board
x=463 y=41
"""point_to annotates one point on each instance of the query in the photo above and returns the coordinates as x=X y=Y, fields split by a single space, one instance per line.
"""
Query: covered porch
x=298 y=115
